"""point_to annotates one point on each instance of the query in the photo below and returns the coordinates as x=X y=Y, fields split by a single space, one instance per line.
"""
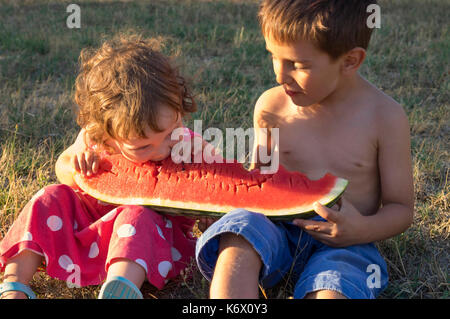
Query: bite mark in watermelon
x=209 y=189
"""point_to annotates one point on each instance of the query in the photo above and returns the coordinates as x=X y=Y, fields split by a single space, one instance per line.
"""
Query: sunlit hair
x=334 y=26
x=121 y=86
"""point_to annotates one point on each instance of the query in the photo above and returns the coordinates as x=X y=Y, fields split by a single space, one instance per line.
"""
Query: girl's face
x=157 y=145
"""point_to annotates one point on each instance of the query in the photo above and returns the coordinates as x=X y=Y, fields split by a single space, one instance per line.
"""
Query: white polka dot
x=54 y=223
x=93 y=251
x=164 y=267
x=75 y=225
x=109 y=216
x=168 y=223
x=175 y=254
x=64 y=261
x=126 y=230
x=27 y=236
x=142 y=263
x=160 y=232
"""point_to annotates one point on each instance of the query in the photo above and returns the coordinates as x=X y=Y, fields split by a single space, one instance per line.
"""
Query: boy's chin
x=302 y=102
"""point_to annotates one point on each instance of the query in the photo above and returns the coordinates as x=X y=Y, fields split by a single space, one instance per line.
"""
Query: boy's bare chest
x=348 y=151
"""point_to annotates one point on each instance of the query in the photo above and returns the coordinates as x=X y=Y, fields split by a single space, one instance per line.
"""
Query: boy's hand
x=345 y=226
x=86 y=162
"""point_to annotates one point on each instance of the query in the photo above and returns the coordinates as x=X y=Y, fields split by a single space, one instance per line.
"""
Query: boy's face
x=157 y=145
x=307 y=74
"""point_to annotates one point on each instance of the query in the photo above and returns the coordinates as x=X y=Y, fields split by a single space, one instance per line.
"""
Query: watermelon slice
x=209 y=189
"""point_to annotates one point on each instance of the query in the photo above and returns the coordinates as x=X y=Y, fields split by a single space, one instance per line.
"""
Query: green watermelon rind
x=332 y=198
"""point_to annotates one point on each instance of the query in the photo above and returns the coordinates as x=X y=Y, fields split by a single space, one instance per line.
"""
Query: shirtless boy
x=330 y=119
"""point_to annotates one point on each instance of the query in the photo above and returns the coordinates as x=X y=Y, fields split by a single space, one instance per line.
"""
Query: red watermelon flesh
x=209 y=189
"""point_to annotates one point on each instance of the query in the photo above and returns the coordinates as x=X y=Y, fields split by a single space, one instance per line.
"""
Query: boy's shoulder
x=270 y=107
x=387 y=110
x=272 y=99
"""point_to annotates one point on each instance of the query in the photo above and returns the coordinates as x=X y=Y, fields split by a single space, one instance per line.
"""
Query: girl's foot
x=13 y=295
x=16 y=290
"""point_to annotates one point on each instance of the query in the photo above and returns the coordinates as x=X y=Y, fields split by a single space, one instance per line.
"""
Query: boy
x=330 y=119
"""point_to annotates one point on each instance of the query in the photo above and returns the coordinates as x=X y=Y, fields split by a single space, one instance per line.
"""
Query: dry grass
x=225 y=56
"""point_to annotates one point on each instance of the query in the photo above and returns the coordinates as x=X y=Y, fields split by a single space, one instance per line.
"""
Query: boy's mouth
x=290 y=93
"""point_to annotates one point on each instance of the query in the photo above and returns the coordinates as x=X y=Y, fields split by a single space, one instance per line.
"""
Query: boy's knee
x=228 y=240
x=233 y=247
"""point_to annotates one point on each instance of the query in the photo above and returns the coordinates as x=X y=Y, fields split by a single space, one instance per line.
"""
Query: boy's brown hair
x=334 y=26
x=122 y=84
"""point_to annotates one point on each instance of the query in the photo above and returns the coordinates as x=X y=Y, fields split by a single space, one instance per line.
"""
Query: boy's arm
x=347 y=226
x=262 y=140
x=396 y=178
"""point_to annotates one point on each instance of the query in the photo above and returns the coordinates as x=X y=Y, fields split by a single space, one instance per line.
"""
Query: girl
x=129 y=99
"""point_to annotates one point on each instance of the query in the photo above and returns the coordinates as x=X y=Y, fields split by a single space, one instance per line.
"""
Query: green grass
x=219 y=45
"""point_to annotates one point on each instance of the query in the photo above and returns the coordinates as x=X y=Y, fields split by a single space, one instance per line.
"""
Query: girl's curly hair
x=122 y=84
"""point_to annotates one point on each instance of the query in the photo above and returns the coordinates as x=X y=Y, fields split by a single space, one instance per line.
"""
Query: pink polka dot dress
x=73 y=230
x=79 y=237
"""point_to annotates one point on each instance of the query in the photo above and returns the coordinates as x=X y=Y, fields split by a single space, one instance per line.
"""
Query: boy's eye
x=298 y=66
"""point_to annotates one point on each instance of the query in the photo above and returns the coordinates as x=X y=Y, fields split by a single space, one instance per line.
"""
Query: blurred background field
x=219 y=47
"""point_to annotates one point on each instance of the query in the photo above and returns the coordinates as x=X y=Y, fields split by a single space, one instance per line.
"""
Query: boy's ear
x=352 y=60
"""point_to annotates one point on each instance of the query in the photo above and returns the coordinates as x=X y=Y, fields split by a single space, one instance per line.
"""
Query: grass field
x=219 y=45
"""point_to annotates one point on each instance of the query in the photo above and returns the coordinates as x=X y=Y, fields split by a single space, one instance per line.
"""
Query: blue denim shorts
x=357 y=272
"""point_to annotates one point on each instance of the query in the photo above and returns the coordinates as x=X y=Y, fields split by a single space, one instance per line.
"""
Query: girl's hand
x=344 y=225
x=86 y=162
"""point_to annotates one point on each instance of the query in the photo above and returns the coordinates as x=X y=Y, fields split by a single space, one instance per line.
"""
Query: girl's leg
x=129 y=269
x=21 y=269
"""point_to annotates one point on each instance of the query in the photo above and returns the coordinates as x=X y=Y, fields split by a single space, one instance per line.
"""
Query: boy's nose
x=281 y=74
